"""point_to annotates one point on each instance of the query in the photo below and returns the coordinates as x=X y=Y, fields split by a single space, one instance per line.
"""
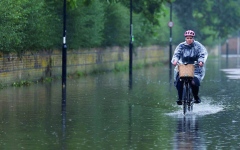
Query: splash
x=202 y=109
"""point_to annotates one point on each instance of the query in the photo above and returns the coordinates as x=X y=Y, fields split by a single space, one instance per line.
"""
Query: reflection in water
x=64 y=127
x=171 y=81
x=104 y=114
x=170 y=74
x=188 y=135
x=64 y=95
x=130 y=125
x=130 y=81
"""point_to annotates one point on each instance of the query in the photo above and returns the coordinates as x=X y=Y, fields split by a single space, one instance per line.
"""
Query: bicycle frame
x=187 y=94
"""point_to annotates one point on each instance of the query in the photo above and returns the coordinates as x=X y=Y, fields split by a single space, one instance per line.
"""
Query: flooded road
x=103 y=113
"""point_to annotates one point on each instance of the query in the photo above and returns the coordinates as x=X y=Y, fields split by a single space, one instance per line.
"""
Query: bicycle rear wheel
x=184 y=98
x=190 y=99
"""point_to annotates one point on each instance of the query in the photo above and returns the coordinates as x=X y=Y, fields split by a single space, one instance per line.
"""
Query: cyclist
x=189 y=52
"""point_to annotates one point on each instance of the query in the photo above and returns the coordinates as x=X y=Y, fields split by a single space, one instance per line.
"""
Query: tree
x=116 y=27
x=150 y=9
x=209 y=18
x=12 y=23
x=43 y=26
x=85 y=25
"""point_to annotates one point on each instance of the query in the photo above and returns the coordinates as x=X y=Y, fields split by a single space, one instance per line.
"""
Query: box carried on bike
x=186 y=70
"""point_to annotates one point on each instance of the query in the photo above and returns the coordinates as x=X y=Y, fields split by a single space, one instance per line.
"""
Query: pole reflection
x=170 y=79
x=188 y=135
x=64 y=127
x=130 y=126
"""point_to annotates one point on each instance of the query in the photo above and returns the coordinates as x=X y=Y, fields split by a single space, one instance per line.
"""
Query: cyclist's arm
x=203 y=54
x=176 y=55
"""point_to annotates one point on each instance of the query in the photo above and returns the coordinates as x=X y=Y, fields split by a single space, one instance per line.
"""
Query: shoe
x=179 y=102
x=197 y=100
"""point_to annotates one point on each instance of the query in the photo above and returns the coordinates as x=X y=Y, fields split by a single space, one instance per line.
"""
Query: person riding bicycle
x=189 y=52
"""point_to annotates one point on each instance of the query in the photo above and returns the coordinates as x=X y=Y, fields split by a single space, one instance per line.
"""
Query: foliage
x=85 y=25
x=119 y=67
x=149 y=9
x=116 y=25
x=22 y=83
x=209 y=18
x=80 y=73
x=11 y=24
x=52 y=26
x=26 y=25
x=43 y=23
x=37 y=25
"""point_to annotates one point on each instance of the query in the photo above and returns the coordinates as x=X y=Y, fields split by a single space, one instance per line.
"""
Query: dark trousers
x=194 y=85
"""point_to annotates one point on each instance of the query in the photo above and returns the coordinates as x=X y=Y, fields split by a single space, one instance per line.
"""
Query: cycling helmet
x=189 y=33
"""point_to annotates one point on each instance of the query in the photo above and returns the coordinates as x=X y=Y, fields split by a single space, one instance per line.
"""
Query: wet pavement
x=102 y=112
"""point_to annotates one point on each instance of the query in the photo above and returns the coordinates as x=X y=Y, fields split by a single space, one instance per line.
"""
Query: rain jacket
x=185 y=53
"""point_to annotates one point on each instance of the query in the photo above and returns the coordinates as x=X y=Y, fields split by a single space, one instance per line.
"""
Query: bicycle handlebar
x=195 y=63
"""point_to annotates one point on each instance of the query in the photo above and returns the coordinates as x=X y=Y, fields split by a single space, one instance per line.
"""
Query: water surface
x=102 y=112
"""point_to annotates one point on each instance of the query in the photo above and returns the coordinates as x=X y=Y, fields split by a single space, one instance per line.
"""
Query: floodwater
x=103 y=113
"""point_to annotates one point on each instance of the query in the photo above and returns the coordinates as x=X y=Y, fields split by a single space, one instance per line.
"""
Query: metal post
x=64 y=57
x=227 y=52
x=64 y=74
x=130 y=47
x=219 y=55
x=170 y=45
x=238 y=43
x=238 y=48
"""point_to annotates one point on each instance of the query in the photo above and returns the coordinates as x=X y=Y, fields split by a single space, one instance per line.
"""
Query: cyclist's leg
x=195 y=89
x=179 y=87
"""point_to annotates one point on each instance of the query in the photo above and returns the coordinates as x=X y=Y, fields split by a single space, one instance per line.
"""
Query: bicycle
x=186 y=74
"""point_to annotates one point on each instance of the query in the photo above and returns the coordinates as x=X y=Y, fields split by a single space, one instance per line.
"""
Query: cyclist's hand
x=174 y=63
x=200 y=64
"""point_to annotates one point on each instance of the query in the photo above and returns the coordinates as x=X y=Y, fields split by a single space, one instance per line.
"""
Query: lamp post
x=64 y=58
x=227 y=52
x=64 y=73
x=238 y=43
x=238 y=47
x=130 y=47
x=170 y=25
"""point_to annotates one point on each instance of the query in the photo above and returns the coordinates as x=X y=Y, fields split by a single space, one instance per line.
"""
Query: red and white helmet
x=189 y=33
